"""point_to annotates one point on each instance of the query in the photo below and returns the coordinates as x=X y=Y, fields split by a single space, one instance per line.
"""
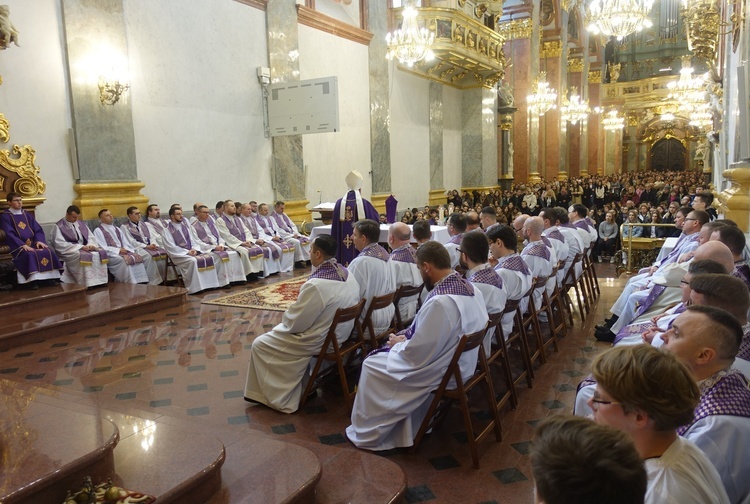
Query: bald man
x=403 y=265
x=537 y=255
x=472 y=221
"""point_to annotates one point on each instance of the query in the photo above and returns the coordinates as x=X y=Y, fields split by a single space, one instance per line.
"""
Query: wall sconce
x=110 y=91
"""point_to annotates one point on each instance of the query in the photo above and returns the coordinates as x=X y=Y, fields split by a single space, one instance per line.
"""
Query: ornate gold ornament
x=737 y=18
x=22 y=161
x=4 y=129
x=703 y=21
x=552 y=49
x=410 y=43
x=574 y=109
x=516 y=29
x=575 y=65
x=595 y=77
x=543 y=99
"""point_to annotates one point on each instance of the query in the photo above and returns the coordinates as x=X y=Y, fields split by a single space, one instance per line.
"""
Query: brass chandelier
x=618 y=18
x=574 y=109
x=410 y=43
x=613 y=121
x=543 y=99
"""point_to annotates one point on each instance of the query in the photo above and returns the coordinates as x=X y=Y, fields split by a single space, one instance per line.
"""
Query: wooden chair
x=571 y=282
x=531 y=321
x=499 y=357
x=377 y=303
x=169 y=264
x=404 y=292
x=593 y=279
x=554 y=304
x=444 y=397
x=332 y=351
x=518 y=335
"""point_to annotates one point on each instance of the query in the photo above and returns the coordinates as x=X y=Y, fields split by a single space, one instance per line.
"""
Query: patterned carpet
x=275 y=297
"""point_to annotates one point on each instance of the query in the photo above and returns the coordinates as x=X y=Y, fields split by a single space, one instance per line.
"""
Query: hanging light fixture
x=410 y=43
x=702 y=117
x=573 y=109
x=613 y=121
x=688 y=91
x=544 y=98
x=618 y=18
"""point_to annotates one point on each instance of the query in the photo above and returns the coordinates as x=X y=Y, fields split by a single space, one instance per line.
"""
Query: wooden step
x=66 y=309
x=22 y=301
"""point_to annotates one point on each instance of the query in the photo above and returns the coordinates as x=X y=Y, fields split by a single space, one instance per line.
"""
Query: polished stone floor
x=188 y=364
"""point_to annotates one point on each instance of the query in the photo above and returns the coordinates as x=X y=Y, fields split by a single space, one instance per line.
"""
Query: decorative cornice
x=516 y=29
x=595 y=77
x=314 y=19
x=258 y=4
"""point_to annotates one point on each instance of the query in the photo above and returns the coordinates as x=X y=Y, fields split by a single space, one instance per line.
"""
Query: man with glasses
x=32 y=257
x=649 y=394
x=456 y=229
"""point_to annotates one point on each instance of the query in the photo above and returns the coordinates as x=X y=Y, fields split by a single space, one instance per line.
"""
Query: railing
x=647 y=243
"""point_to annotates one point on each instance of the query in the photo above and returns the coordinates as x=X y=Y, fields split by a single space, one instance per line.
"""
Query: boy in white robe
x=126 y=265
x=280 y=358
x=649 y=394
x=85 y=262
x=395 y=383
x=372 y=272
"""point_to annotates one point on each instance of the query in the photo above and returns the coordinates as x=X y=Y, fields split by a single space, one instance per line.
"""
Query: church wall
x=410 y=139
x=197 y=110
x=34 y=98
x=330 y=156
x=452 y=154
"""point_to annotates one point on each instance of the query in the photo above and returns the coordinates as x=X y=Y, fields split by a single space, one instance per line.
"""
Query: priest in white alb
x=273 y=259
x=237 y=265
x=145 y=240
x=394 y=386
x=280 y=359
x=288 y=231
x=403 y=265
x=85 y=261
x=126 y=265
x=237 y=237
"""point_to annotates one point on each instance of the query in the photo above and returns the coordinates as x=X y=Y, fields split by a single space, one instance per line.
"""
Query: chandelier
x=702 y=117
x=687 y=91
x=612 y=121
x=544 y=98
x=618 y=18
x=573 y=109
x=410 y=43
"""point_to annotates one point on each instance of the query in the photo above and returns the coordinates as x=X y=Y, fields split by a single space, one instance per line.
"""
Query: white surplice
x=683 y=475
x=279 y=359
x=394 y=387
x=375 y=279
x=405 y=273
x=121 y=270
x=69 y=253
x=561 y=251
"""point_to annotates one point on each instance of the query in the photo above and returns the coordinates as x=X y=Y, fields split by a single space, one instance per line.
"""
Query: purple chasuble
x=390 y=209
x=342 y=231
x=725 y=393
x=23 y=229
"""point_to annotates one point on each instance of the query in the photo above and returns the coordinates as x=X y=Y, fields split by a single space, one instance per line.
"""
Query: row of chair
x=526 y=338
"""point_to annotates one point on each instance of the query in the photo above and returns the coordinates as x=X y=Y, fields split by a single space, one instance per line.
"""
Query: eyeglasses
x=684 y=282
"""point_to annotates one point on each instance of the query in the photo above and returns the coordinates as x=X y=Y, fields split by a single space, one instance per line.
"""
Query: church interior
x=111 y=104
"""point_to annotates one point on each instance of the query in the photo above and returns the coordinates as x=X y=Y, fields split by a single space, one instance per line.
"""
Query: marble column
x=479 y=139
x=104 y=138
x=288 y=170
x=505 y=115
x=380 y=105
x=437 y=186
x=533 y=119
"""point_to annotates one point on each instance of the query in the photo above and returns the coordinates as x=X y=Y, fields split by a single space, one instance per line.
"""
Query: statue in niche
x=614 y=71
x=505 y=95
x=511 y=151
x=8 y=32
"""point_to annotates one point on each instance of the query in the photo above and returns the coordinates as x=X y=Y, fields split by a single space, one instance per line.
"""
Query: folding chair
x=571 y=282
x=332 y=351
x=531 y=320
x=517 y=334
x=444 y=396
x=377 y=303
x=167 y=265
x=404 y=292
x=499 y=357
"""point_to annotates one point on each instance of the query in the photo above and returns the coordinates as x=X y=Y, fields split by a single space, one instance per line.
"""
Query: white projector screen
x=298 y=108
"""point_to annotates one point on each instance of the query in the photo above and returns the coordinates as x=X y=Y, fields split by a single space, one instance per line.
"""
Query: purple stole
x=158 y=223
x=546 y=241
x=456 y=240
x=182 y=239
x=283 y=221
x=677 y=250
x=265 y=249
x=406 y=254
x=270 y=231
x=376 y=251
x=22 y=230
x=556 y=235
x=744 y=351
x=487 y=276
x=234 y=225
x=581 y=224
x=742 y=271
x=514 y=262
x=643 y=326
x=725 y=393
x=204 y=236
x=330 y=269
x=130 y=258
x=536 y=249
x=70 y=237
x=145 y=238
